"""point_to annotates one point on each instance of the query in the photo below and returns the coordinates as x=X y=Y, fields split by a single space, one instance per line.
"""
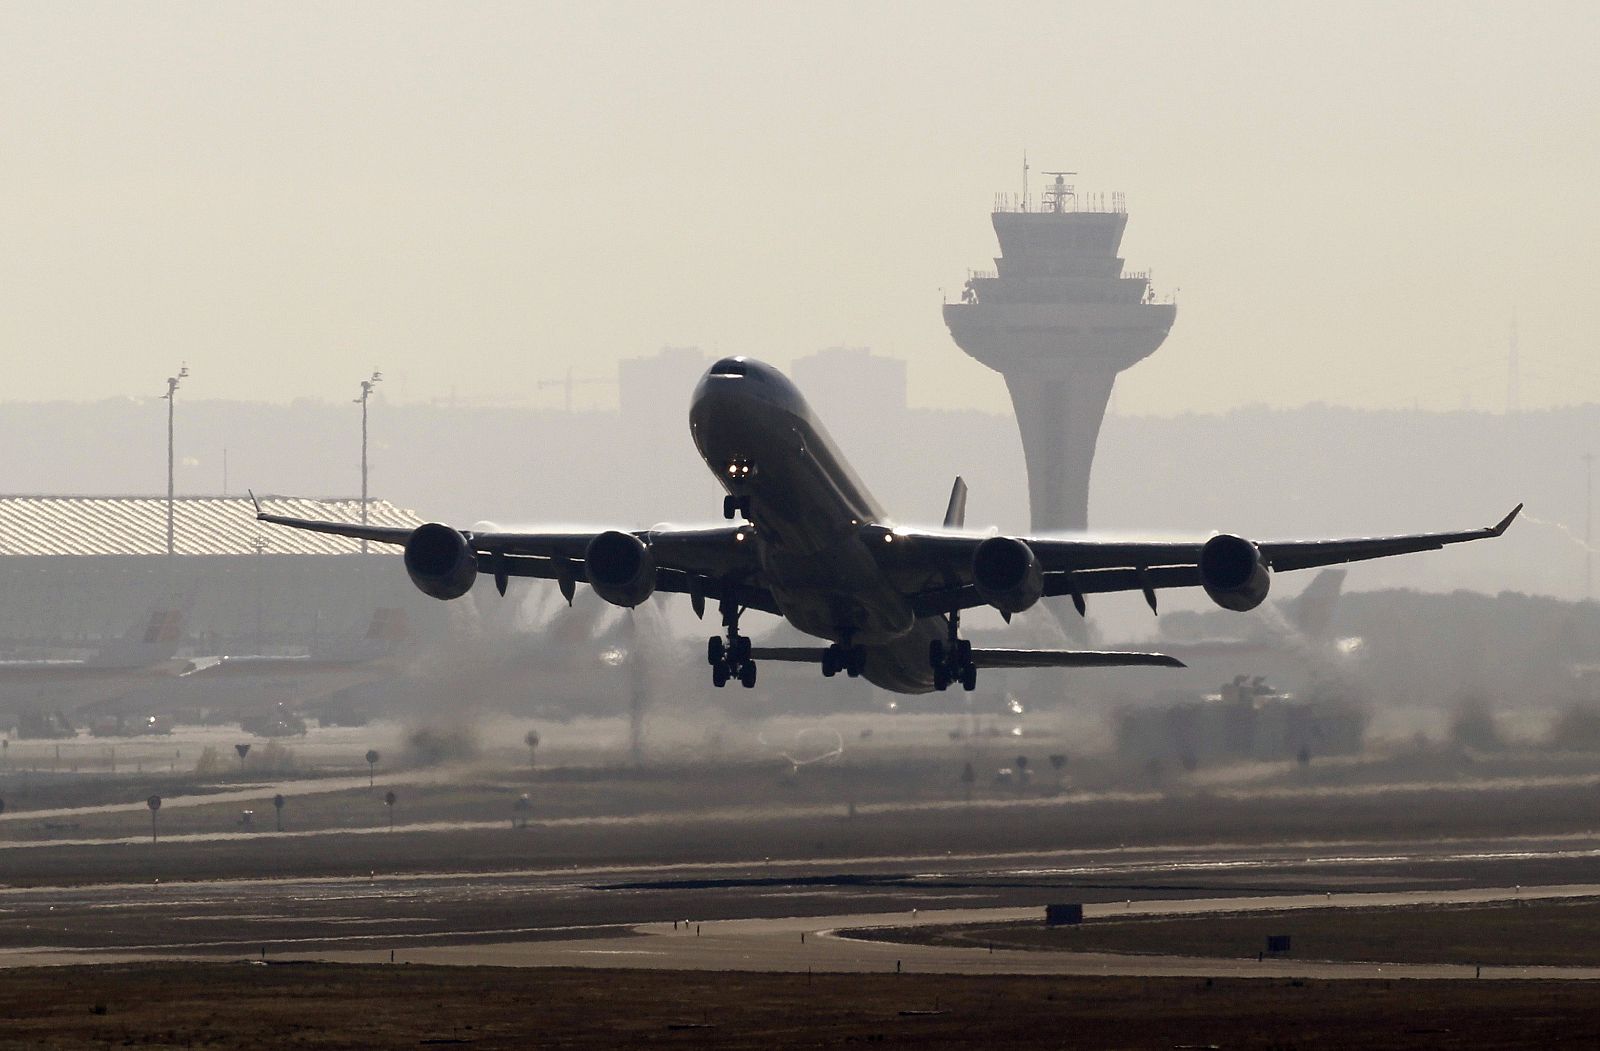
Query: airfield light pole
x=366 y=392
x=171 y=396
x=258 y=544
x=1588 y=527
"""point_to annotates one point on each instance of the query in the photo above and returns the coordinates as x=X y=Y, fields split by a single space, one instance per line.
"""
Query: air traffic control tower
x=1058 y=318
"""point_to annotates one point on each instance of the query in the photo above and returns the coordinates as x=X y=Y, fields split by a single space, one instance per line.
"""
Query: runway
x=795 y=944
x=604 y=919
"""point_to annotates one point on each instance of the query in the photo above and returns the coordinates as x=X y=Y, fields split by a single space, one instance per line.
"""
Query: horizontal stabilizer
x=1072 y=659
x=1001 y=658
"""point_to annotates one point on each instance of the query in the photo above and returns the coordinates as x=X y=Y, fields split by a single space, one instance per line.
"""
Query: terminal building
x=77 y=571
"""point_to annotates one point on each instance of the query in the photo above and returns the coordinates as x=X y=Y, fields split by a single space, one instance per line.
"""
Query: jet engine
x=1233 y=574
x=1006 y=574
x=440 y=561
x=621 y=569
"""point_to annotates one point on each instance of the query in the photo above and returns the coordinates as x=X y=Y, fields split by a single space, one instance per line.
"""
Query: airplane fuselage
x=767 y=448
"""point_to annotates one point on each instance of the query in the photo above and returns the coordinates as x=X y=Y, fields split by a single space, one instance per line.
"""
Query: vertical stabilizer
x=955 y=515
x=388 y=625
x=1312 y=610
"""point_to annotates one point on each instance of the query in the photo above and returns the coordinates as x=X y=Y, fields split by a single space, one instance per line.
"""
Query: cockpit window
x=729 y=367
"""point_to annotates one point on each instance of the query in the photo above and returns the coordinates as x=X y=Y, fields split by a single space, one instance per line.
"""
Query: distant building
x=657 y=389
x=1246 y=719
x=851 y=382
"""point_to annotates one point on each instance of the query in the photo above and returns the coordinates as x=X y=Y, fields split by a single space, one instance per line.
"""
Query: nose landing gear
x=730 y=659
x=952 y=660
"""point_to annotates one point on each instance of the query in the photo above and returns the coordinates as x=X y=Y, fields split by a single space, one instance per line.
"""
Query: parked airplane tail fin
x=388 y=625
x=164 y=626
x=1311 y=612
x=955 y=513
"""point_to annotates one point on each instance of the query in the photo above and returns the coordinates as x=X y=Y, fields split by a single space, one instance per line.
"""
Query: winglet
x=955 y=514
x=254 y=501
x=1505 y=522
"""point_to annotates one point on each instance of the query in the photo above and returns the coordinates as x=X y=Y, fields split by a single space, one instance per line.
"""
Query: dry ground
x=325 y=1006
x=1553 y=932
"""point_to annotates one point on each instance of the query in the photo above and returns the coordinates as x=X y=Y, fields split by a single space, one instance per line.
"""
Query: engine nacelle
x=621 y=568
x=440 y=561
x=1006 y=574
x=1233 y=574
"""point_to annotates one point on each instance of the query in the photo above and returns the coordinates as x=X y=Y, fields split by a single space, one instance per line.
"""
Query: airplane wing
x=709 y=563
x=937 y=567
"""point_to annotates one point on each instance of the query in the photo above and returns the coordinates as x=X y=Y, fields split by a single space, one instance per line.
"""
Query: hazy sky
x=1353 y=198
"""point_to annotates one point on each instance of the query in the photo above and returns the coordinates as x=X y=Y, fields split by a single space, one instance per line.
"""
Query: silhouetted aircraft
x=813 y=546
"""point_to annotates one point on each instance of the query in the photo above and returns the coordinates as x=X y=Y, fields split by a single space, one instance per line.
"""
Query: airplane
x=147 y=647
x=812 y=545
x=1302 y=625
x=386 y=631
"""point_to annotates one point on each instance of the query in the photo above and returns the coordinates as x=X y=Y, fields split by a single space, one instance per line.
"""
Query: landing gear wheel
x=739 y=650
x=719 y=675
x=855 y=661
x=747 y=674
x=951 y=659
x=736 y=507
x=715 y=651
x=830 y=662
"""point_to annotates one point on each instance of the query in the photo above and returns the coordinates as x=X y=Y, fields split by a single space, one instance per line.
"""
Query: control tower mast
x=1058 y=318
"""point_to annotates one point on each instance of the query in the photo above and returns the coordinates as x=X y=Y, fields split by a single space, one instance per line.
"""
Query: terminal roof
x=204 y=525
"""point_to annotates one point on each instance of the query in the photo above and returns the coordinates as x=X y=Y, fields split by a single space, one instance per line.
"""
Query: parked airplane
x=814 y=547
x=1302 y=624
x=386 y=631
x=149 y=646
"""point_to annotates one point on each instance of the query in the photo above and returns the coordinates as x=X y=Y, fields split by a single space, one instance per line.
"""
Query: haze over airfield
x=1353 y=200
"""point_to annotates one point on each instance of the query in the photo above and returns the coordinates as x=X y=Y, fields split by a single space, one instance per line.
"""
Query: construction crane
x=569 y=382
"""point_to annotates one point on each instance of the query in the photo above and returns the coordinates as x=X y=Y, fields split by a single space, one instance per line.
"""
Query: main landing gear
x=730 y=659
x=843 y=657
x=952 y=660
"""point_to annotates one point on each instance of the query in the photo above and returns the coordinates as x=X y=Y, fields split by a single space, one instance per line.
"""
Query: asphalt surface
x=815 y=944
x=785 y=916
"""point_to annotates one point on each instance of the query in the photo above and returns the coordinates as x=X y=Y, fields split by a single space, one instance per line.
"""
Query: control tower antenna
x=1024 y=180
x=1058 y=317
x=1056 y=196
